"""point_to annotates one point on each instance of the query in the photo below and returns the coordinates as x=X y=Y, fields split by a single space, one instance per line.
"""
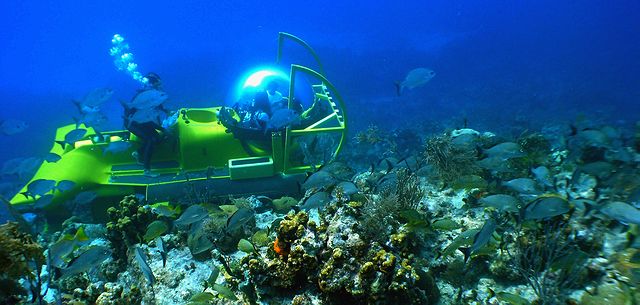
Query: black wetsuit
x=147 y=132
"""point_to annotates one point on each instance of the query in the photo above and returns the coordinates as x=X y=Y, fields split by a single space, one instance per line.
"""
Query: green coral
x=115 y=294
x=127 y=224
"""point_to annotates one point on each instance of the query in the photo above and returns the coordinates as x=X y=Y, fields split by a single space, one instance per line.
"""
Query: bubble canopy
x=257 y=80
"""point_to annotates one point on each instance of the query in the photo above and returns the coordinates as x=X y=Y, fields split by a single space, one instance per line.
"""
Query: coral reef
x=127 y=225
x=20 y=257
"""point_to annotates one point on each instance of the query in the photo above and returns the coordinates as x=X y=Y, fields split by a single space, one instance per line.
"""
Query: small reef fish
x=43 y=201
x=64 y=246
x=316 y=201
x=65 y=185
x=415 y=78
x=501 y=202
x=542 y=175
x=11 y=127
x=282 y=118
x=97 y=120
x=246 y=246
x=72 y=137
x=620 y=211
x=93 y=257
x=155 y=229
x=162 y=248
x=347 y=188
x=239 y=218
x=39 y=187
x=480 y=239
x=146 y=115
x=464 y=239
x=141 y=258
x=165 y=209
x=191 y=215
x=148 y=99
x=21 y=167
x=225 y=292
x=318 y=180
x=85 y=197
x=522 y=186
x=197 y=242
x=506 y=150
x=494 y=164
x=544 y=207
x=52 y=157
x=446 y=224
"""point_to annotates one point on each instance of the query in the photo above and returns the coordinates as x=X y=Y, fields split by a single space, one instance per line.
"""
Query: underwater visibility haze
x=290 y=152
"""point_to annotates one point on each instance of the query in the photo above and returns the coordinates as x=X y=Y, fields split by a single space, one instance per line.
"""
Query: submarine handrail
x=342 y=118
x=281 y=38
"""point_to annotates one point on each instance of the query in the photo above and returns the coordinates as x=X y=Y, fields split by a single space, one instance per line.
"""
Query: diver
x=145 y=117
x=261 y=108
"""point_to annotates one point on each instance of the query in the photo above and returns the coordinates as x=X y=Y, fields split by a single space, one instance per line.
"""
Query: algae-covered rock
x=608 y=293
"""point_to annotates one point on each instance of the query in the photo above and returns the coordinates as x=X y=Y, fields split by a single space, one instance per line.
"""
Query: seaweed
x=549 y=260
x=450 y=161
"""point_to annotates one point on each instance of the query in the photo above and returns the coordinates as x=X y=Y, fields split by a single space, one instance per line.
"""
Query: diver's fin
x=398 y=88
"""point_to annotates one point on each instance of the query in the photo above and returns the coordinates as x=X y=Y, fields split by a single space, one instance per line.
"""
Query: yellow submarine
x=208 y=154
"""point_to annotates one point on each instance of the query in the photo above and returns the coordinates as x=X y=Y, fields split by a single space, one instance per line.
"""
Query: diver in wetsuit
x=146 y=123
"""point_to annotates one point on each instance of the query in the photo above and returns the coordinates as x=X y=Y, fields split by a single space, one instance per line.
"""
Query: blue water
x=498 y=63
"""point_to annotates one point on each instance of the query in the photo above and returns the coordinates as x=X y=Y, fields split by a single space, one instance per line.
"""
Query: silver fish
x=494 y=164
x=501 y=202
x=148 y=99
x=191 y=215
x=162 y=248
x=141 y=258
x=545 y=207
x=282 y=118
x=316 y=201
x=21 y=167
x=85 y=197
x=97 y=120
x=65 y=185
x=318 y=180
x=52 y=157
x=522 y=185
x=43 y=201
x=239 y=218
x=72 y=137
x=622 y=212
x=542 y=175
x=415 y=78
x=39 y=187
x=11 y=127
x=347 y=188
x=480 y=239
x=94 y=99
x=87 y=260
x=146 y=115
x=505 y=151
